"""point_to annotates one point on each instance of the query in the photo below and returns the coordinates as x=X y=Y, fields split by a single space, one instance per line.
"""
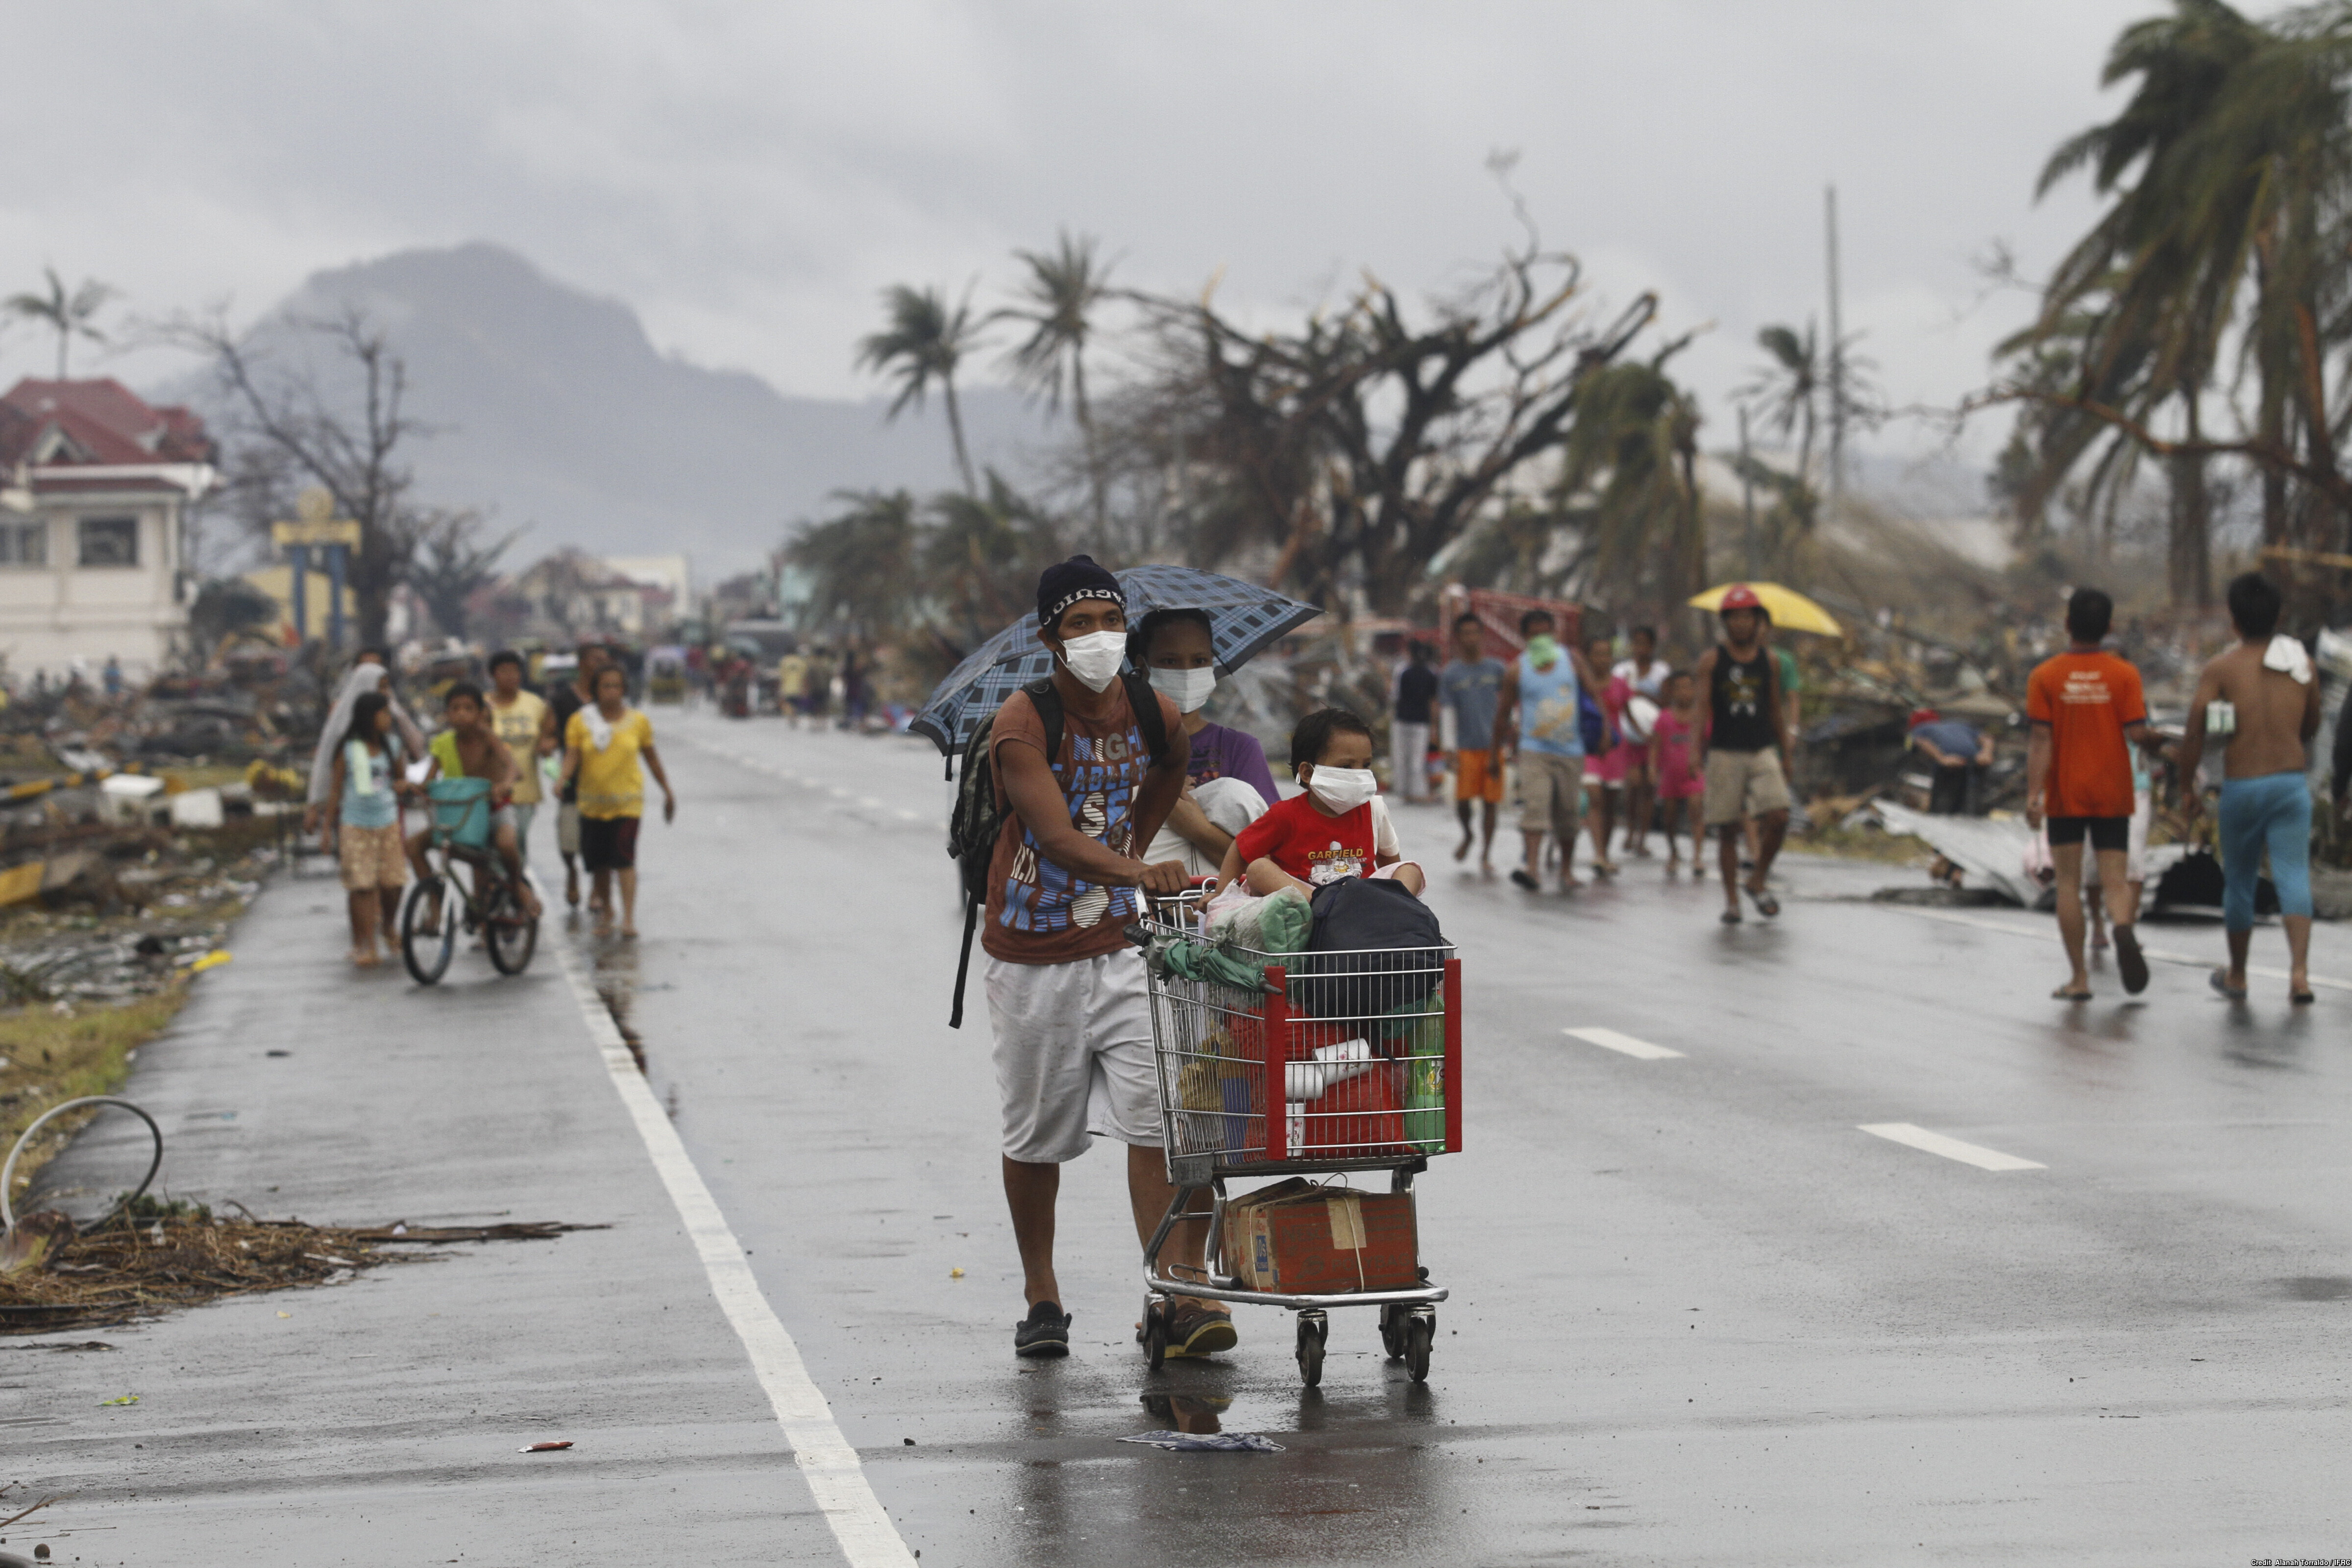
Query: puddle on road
x=613 y=970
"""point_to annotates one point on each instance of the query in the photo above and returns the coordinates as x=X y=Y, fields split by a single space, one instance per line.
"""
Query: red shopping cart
x=1300 y=1065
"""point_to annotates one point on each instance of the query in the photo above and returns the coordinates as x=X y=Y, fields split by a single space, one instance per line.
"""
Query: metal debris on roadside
x=545 y=1448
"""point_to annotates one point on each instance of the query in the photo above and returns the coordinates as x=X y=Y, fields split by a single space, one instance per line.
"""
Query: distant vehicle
x=766 y=641
x=666 y=675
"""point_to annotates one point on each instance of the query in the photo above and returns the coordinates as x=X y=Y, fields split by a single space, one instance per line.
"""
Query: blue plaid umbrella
x=1244 y=618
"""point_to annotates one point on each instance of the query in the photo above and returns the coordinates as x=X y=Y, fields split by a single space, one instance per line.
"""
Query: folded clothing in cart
x=1231 y=950
x=1299 y=1238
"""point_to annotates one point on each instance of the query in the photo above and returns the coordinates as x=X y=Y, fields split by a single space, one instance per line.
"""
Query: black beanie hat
x=1064 y=583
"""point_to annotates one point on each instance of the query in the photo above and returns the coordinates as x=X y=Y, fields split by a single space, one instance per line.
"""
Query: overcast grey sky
x=748 y=175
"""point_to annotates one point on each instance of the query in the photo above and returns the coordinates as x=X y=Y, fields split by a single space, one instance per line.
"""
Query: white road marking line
x=2162 y=955
x=1611 y=1040
x=1949 y=1148
x=834 y=1478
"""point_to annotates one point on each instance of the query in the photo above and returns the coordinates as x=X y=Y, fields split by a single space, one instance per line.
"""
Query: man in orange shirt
x=2088 y=713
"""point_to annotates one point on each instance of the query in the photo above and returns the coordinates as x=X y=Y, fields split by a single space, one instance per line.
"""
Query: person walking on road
x=1605 y=770
x=1472 y=687
x=1227 y=784
x=2267 y=700
x=1645 y=675
x=1412 y=708
x=2088 y=713
x=1670 y=762
x=365 y=785
x=369 y=672
x=1541 y=707
x=520 y=719
x=602 y=746
x=1067 y=1001
x=792 y=687
x=568 y=699
x=1740 y=749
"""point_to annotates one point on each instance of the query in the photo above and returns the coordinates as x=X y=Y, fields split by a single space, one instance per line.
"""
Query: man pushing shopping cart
x=1061 y=782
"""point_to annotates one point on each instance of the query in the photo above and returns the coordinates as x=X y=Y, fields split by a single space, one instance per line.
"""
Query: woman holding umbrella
x=1227 y=784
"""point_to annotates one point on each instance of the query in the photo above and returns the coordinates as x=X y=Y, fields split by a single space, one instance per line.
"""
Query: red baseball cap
x=1923 y=716
x=1739 y=597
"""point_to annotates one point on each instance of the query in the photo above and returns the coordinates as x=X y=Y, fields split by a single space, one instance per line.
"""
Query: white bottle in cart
x=1307 y=1080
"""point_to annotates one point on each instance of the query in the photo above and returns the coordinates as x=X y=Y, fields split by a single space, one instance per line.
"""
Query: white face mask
x=1341 y=790
x=1188 y=689
x=1095 y=657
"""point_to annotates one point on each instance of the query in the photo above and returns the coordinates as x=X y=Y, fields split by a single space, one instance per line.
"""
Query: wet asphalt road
x=1697 y=1312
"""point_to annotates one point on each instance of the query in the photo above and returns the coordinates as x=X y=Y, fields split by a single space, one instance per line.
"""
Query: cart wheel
x=1393 y=1331
x=1312 y=1328
x=1155 y=1332
x=1417 y=1333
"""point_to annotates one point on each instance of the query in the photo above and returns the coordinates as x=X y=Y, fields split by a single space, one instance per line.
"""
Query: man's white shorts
x=1073 y=1054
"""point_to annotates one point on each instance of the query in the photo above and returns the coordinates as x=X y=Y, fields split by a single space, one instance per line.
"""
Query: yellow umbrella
x=1790 y=611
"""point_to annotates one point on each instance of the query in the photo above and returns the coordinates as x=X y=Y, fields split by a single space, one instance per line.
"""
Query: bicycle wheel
x=510 y=931
x=426 y=946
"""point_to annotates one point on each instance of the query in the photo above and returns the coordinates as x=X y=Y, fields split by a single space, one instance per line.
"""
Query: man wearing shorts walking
x=1066 y=1000
x=1472 y=687
x=1740 y=747
x=2087 y=714
x=1540 y=707
x=2266 y=692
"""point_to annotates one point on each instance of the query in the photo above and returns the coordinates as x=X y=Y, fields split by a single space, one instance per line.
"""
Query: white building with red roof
x=92 y=524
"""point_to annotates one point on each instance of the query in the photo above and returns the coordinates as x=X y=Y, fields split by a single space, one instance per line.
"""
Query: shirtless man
x=470 y=748
x=2265 y=798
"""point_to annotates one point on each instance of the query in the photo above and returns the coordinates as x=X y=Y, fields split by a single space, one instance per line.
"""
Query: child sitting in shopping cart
x=1338 y=828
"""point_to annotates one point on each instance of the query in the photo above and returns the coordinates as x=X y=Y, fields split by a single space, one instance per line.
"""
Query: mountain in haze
x=551 y=407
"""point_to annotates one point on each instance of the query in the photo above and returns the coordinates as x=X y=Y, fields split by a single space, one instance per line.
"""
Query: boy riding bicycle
x=470 y=749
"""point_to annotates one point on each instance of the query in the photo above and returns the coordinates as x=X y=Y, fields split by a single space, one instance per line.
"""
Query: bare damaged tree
x=1363 y=444
x=345 y=439
x=455 y=560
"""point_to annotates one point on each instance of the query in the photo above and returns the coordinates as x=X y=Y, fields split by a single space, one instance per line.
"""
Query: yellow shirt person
x=611 y=782
x=518 y=724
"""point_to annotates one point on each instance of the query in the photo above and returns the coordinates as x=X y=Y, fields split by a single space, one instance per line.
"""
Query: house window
x=109 y=540
x=24 y=544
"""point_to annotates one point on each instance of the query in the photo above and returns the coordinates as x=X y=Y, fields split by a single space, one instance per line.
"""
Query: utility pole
x=1837 y=366
x=1747 y=498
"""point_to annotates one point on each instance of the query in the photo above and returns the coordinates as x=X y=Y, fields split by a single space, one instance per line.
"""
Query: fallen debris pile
x=164 y=1257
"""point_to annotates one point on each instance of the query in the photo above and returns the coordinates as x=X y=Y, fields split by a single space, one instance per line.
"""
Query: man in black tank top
x=1741 y=748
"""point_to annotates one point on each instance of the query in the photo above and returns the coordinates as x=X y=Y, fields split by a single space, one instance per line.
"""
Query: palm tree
x=1058 y=299
x=982 y=557
x=2160 y=272
x=1790 y=389
x=924 y=342
x=1631 y=454
x=860 y=563
x=69 y=314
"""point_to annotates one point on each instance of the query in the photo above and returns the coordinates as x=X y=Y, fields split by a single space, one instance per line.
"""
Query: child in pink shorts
x=1670 y=762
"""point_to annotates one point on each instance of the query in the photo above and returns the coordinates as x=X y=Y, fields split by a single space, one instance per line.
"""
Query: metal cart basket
x=1292 y=1064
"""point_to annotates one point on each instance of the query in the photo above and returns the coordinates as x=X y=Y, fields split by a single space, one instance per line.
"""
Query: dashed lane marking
x=835 y=1478
x=1975 y=1154
x=1611 y=1040
x=2161 y=955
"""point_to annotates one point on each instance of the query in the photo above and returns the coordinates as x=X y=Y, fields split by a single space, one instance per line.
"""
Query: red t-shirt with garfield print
x=1311 y=847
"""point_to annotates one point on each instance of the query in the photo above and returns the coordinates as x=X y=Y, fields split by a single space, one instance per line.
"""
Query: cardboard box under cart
x=1301 y=1239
